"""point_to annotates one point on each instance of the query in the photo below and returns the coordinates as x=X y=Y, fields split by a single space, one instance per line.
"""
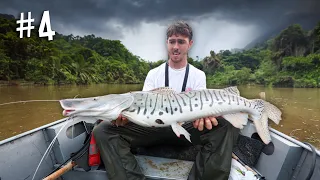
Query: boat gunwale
x=32 y=131
x=294 y=141
x=299 y=143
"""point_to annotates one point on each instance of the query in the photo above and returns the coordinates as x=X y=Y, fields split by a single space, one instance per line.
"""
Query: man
x=216 y=139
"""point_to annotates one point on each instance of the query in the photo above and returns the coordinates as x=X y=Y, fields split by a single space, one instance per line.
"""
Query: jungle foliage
x=290 y=59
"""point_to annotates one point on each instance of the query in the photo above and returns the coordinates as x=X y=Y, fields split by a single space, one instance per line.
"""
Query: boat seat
x=307 y=167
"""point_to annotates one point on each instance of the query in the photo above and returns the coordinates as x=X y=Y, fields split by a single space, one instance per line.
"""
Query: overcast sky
x=141 y=24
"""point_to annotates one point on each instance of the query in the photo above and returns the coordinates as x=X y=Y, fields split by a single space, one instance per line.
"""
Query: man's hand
x=208 y=122
x=120 y=121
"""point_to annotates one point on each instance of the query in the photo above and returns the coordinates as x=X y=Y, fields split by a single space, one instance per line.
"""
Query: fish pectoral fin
x=238 y=120
x=116 y=105
x=178 y=130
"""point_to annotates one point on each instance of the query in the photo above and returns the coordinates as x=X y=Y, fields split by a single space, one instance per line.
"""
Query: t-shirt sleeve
x=201 y=82
x=149 y=82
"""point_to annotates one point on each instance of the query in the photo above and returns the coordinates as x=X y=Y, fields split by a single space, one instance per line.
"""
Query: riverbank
x=16 y=83
x=284 y=81
x=33 y=83
x=210 y=82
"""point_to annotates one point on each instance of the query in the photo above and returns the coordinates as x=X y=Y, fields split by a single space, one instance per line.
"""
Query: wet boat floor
x=164 y=161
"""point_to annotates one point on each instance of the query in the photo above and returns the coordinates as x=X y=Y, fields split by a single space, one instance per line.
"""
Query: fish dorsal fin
x=232 y=90
x=163 y=90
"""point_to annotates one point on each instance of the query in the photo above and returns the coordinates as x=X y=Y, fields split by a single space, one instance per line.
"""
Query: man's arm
x=148 y=82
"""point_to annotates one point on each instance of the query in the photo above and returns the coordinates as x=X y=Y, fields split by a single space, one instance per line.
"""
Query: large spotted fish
x=164 y=107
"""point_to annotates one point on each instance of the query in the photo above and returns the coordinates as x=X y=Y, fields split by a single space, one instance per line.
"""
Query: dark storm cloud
x=92 y=16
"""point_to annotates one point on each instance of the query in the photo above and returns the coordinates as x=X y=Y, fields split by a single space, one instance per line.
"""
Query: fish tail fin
x=273 y=112
x=267 y=111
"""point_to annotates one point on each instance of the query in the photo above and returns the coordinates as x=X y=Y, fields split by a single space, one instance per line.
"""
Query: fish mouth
x=69 y=106
x=67 y=112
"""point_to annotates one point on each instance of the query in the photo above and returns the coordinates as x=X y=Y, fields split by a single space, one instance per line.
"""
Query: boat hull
x=21 y=154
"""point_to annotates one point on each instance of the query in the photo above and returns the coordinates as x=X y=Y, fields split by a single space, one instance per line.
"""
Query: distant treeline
x=291 y=59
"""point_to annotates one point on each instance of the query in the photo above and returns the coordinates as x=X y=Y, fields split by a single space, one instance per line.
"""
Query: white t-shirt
x=156 y=78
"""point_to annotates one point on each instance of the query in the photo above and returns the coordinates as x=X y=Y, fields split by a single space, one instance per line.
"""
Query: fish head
x=105 y=107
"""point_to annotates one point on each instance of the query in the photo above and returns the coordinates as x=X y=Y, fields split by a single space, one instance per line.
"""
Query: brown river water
x=300 y=107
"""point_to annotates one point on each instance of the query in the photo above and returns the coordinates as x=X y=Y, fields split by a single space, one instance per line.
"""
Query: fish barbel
x=163 y=107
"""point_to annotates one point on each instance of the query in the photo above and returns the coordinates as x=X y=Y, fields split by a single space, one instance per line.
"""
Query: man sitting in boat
x=213 y=161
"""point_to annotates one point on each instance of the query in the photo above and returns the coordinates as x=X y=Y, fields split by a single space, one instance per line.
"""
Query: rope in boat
x=50 y=147
x=16 y=102
x=44 y=100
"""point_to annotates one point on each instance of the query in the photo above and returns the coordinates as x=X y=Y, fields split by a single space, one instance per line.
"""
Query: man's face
x=178 y=47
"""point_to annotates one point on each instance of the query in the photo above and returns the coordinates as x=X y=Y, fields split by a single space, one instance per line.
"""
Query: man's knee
x=225 y=132
x=100 y=130
x=230 y=132
x=228 y=127
x=233 y=130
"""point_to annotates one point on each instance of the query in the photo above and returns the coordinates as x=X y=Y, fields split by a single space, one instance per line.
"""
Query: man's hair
x=180 y=27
